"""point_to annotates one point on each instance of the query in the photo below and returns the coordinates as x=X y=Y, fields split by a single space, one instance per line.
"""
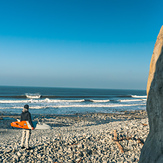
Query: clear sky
x=78 y=43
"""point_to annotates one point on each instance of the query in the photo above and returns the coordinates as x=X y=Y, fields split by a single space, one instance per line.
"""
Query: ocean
x=48 y=100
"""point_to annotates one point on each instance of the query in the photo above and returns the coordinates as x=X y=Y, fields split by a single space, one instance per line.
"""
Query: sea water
x=43 y=100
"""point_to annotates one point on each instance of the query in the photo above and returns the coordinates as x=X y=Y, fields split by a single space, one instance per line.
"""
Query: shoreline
x=94 y=118
x=78 y=138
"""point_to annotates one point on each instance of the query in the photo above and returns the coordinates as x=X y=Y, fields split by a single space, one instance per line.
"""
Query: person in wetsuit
x=26 y=133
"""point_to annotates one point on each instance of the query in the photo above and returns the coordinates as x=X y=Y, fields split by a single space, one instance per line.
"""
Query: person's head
x=26 y=107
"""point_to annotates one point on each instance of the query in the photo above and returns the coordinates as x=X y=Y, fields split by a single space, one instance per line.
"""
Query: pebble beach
x=79 y=138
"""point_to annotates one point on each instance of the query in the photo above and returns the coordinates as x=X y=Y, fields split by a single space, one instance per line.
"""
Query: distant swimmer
x=26 y=133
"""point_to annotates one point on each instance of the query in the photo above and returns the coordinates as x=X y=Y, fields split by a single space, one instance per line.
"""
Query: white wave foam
x=72 y=100
x=144 y=99
x=135 y=96
x=77 y=106
x=100 y=101
x=131 y=100
x=113 y=105
x=33 y=96
x=47 y=100
x=13 y=101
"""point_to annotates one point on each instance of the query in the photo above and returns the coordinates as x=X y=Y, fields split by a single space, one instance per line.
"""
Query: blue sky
x=78 y=43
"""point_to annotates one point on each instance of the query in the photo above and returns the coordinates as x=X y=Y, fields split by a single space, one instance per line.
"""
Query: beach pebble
x=82 y=141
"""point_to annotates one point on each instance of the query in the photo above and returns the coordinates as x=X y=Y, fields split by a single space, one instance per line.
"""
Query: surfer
x=26 y=133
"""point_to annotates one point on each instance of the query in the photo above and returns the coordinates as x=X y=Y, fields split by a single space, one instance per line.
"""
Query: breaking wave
x=76 y=106
x=33 y=96
x=50 y=104
x=135 y=96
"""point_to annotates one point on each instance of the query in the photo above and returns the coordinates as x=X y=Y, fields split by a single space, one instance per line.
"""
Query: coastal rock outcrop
x=152 y=151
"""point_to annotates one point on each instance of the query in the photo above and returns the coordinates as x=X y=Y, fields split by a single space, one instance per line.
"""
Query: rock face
x=152 y=151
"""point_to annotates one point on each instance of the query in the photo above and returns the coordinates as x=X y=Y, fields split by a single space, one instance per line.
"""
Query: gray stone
x=19 y=154
x=50 y=159
x=152 y=149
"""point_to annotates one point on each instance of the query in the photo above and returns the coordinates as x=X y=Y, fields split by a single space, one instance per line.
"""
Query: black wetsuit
x=26 y=116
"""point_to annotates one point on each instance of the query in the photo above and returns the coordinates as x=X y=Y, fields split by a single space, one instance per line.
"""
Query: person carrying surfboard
x=26 y=133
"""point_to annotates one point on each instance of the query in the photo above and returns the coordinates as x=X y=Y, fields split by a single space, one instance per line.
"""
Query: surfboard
x=23 y=124
x=26 y=125
x=42 y=126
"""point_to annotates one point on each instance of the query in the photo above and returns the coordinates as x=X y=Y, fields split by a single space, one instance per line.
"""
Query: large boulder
x=152 y=151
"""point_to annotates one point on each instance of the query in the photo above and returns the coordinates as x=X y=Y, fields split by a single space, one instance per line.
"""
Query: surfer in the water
x=26 y=116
